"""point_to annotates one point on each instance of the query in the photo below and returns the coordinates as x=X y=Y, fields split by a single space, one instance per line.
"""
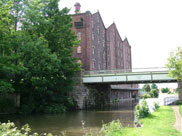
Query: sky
x=153 y=27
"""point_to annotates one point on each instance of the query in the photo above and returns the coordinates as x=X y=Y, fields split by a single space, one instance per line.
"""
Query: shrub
x=9 y=129
x=113 y=128
x=55 y=108
x=142 y=110
x=154 y=93
x=165 y=90
x=178 y=102
x=146 y=95
x=156 y=106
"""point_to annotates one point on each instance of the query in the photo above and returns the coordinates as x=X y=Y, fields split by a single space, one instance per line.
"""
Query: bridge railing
x=170 y=100
x=137 y=70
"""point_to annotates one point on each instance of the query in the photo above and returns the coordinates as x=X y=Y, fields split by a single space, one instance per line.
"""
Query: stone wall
x=80 y=95
x=91 y=96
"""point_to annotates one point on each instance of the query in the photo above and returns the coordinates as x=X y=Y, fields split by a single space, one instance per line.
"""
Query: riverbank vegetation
x=175 y=68
x=36 y=47
x=180 y=109
x=159 y=123
x=150 y=91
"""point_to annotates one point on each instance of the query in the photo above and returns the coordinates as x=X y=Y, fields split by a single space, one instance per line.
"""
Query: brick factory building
x=101 y=48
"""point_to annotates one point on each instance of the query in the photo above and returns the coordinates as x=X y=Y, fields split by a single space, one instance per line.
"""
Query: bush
x=142 y=110
x=9 y=129
x=154 y=93
x=146 y=95
x=113 y=128
x=55 y=108
x=165 y=90
x=156 y=106
x=178 y=102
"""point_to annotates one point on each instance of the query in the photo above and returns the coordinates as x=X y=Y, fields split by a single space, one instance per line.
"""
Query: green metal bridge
x=128 y=76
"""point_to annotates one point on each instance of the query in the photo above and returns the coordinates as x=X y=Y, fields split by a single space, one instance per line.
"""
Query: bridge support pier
x=180 y=91
x=91 y=96
x=99 y=95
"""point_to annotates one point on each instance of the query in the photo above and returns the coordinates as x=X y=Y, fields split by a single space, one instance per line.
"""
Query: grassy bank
x=180 y=109
x=159 y=123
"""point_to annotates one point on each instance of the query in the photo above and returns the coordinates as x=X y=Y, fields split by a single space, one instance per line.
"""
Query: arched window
x=79 y=35
x=79 y=49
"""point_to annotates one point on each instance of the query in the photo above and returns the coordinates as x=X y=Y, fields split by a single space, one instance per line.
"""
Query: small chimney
x=77 y=7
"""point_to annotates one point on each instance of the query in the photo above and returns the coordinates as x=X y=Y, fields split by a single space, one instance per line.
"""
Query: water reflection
x=71 y=122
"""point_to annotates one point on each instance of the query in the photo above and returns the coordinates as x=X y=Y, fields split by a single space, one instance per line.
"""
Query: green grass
x=180 y=109
x=159 y=123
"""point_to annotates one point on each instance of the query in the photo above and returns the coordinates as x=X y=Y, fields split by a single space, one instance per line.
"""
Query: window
x=104 y=56
x=118 y=45
x=98 y=18
x=79 y=49
x=103 y=43
x=92 y=35
x=93 y=49
x=79 y=35
x=93 y=64
x=98 y=30
x=103 y=34
x=92 y=23
x=104 y=65
x=99 y=66
x=108 y=59
x=98 y=40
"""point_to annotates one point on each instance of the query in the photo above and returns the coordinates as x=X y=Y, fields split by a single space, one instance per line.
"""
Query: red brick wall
x=98 y=43
x=84 y=56
x=101 y=48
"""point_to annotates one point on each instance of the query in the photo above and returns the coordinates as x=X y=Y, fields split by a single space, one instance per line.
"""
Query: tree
x=175 y=68
x=165 y=90
x=51 y=64
x=146 y=88
x=154 y=86
x=154 y=93
x=8 y=69
x=36 y=46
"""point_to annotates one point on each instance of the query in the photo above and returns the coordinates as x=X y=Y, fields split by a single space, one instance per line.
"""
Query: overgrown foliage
x=9 y=129
x=142 y=110
x=113 y=128
x=36 y=46
x=150 y=91
x=175 y=68
x=156 y=106
x=175 y=64
x=146 y=88
x=165 y=90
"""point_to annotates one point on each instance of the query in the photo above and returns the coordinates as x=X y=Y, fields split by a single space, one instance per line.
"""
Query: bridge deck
x=129 y=77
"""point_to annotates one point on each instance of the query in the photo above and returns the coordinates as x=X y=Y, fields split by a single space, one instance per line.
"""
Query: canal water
x=72 y=122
